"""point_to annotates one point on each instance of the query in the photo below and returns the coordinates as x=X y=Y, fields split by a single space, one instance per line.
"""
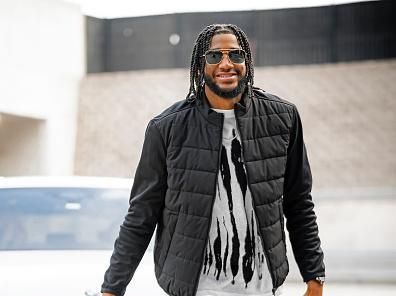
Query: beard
x=227 y=94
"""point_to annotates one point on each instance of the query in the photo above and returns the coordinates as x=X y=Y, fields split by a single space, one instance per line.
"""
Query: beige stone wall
x=348 y=112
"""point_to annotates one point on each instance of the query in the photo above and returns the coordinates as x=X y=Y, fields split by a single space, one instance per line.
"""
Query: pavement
x=343 y=289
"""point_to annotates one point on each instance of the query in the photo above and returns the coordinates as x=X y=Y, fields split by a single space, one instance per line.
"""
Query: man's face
x=225 y=79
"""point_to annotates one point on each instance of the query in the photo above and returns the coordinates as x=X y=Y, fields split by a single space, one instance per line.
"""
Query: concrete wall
x=42 y=57
x=347 y=111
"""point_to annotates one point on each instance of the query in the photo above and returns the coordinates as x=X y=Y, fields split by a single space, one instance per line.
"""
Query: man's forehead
x=224 y=41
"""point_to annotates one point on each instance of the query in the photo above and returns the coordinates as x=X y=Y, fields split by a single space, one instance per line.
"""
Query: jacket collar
x=241 y=108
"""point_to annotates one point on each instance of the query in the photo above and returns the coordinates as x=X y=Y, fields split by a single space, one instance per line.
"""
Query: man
x=217 y=172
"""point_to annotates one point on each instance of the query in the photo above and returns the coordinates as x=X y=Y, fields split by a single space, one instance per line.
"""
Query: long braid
x=197 y=65
x=244 y=43
x=202 y=44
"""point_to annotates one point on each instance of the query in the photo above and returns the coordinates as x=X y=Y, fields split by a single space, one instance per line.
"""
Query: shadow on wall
x=21 y=145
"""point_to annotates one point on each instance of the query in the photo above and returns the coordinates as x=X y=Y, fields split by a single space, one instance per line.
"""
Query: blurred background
x=80 y=80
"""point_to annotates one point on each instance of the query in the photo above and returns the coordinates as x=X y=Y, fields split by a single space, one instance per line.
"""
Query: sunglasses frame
x=225 y=51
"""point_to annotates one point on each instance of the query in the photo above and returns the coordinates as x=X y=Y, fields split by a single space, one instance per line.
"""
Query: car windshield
x=61 y=218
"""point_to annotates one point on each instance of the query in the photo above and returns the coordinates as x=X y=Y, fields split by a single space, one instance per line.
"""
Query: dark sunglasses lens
x=214 y=57
x=236 y=56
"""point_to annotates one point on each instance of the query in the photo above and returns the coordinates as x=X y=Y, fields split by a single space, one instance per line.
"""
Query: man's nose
x=225 y=62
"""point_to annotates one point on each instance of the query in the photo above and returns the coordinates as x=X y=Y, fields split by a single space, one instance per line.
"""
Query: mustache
x=236 y=71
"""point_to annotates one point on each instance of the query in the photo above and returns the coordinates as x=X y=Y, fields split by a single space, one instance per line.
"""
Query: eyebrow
x=216 y=48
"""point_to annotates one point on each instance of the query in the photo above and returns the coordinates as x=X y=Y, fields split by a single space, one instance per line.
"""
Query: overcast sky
x=127 y=8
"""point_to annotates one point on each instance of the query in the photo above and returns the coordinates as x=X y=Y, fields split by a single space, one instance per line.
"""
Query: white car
x=57 y=235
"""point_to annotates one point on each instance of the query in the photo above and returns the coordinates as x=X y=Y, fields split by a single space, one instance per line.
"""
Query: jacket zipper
x=211 y=208
x=254 y=206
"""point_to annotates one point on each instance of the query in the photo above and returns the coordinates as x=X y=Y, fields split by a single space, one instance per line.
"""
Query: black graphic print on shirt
x=242 y=247
x=225 y=252
x=236 y=154
x=217 y=251
x=225 y=173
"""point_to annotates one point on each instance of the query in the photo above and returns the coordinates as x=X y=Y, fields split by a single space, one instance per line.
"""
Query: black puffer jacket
x=174 y=188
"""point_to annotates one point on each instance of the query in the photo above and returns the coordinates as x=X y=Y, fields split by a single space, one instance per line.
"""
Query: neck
x=218 y=102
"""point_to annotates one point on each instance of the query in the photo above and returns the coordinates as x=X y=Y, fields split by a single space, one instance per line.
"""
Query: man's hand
x=314 y=289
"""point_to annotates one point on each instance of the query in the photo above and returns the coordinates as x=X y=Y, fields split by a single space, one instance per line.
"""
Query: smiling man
x=218 y=173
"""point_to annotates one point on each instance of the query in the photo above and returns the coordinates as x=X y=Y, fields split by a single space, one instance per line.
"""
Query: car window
x=61 y=218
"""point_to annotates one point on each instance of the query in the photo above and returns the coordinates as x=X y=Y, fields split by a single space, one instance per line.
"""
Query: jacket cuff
x=313 y=276
x=116 y=293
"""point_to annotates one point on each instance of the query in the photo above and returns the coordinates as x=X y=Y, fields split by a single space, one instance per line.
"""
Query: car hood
x=61 y=273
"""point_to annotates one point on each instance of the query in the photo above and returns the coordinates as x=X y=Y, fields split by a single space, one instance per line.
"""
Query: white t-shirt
x=234 y=261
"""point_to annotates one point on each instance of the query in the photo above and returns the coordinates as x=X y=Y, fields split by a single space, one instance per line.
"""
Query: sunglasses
x=215 y=56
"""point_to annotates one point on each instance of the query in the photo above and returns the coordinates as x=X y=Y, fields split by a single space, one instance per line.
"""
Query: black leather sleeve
x=146 y=202
x=298 y=206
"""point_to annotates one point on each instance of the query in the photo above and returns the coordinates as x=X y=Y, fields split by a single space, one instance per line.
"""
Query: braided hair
x=202 y=44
